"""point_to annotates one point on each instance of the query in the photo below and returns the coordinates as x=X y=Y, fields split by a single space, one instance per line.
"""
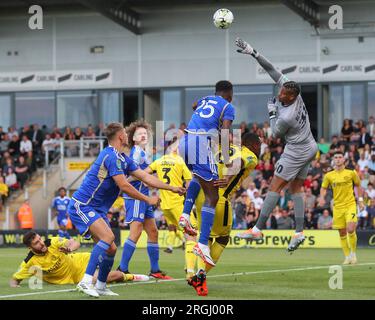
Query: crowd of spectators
x=356 y=141
x=23 y=151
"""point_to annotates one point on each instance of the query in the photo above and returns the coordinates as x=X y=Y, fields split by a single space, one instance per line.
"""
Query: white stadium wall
x=179 y=47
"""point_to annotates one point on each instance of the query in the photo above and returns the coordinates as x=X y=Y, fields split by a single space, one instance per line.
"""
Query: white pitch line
x=183 y=279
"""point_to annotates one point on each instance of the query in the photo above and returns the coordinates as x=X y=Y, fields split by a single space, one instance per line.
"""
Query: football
x=223 y=18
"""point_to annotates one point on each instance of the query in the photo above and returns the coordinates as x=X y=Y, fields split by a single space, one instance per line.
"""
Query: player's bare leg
x=295 y=187
x=211 y=194
x=273 y=195
x=352 y=239
x=151 y=229
x=103 y=255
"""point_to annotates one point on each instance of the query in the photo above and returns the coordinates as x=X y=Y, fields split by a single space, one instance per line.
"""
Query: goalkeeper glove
x=245 y=48
x=272 y=109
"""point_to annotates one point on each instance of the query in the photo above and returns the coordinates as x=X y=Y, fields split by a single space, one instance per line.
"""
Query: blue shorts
x=62 y=221
x=196 y=151
x=83 y=217
x=137 y=210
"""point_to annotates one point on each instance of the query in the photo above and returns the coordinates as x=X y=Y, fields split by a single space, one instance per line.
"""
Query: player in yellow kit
x=242 y=162
x=172 y=170
x=58 y=264
x=341 y=181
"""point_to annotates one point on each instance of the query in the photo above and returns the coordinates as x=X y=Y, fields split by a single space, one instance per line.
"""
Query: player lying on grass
x=172 y=170
x=342 y=182
x=90 y=204
x=289 y=120
x=213 y=113
x=230 y=180
x=57 y=262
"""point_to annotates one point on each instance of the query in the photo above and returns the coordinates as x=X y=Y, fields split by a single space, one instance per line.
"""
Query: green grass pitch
x=240 y=274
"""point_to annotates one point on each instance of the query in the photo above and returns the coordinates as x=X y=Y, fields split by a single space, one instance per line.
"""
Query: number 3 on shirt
x=206 y=105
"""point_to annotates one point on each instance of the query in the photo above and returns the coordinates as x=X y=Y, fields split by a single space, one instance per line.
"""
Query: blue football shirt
x=210 y=113
x=98 y=189
x=61 y=206
x=142 y=159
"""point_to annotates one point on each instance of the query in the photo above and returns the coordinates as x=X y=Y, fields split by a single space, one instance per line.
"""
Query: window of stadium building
x=109 y=102
x=371 y=99
x=251 y=103
x=346 y=101
x=77 y=108
x=35 y=107
x=171 y=105
x=5 y=111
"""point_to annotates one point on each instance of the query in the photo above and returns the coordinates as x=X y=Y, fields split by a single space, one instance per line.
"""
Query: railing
x=71 y=148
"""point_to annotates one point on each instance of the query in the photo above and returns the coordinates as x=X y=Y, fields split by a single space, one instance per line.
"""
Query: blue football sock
x=61 y=233
x=97 y=254
x=67 y=235
x=153 y=254
x=105 y=267
x=127 y=253
x=208 y=215
x=191 y=194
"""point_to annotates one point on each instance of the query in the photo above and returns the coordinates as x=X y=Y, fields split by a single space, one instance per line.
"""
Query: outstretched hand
x=245 y=48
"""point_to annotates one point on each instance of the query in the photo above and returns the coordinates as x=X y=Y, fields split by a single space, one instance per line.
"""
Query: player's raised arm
x=154 y=182
x=127 y=188
x=246 y=48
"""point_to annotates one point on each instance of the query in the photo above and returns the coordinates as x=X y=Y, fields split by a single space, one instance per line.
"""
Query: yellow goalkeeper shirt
x=56 y=267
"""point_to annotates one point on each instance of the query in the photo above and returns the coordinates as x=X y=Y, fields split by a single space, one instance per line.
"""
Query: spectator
x=263 y=189
x=4 y=144
x=310 y=222
x=347 y=130
x=370 y=192
x=25 y=145
x=266 y=155
x=276 y=155
x=12 y=132
x=285 y=222
x=11 y=180
x=362 y=162
x=315 y=189
x=258 y=201
x=25 y=216
x=335 y=145
x=251 y=215
x=272 y=220
x=365 y=138
x=316 y=171
x=310 y=199
x=49 y=145
x=4 y=192
x=323 y=146
x=37 y=137
x=78 y=134
x=371 y=126
x=267 y=130
x=268 y=170
x=22 y=171
x=55 y=131
x=362 y=214
x=283 y=201
x=325 y=220
x=241 y=208
x=8 y=164
x=371 y=213
x=68 y=133
x=100 y=131
x=251 y=190
x=14 y=146
x=371 y=164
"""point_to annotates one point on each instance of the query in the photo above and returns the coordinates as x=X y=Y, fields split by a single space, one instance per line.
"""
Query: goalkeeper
x=290 y=121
